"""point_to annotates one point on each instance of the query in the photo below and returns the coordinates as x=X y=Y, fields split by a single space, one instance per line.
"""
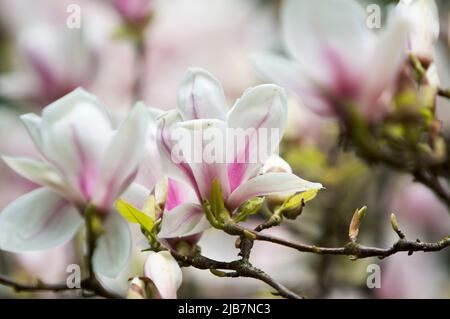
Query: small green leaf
x=134 y=215
x=250 y=207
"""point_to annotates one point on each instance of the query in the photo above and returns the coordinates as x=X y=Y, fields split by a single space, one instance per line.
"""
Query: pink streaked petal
x=209 y=138
x=201 y=96
x=257 y=114
x=122 y=156
x=179 y=193
x=308 y=26
x=74 y=133
x=173 y=164
x=345 y=81
x=384 y=65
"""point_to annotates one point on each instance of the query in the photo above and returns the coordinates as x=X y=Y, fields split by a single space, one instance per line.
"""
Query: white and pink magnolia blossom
x=336 y=59
x=202 y=108
x=51 y=59
x=85 y=161
x=164 y=272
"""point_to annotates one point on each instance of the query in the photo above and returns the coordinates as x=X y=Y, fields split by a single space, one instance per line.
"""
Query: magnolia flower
x=202 y=111
x=85 y=162
x=425 y=26
x=52 y=59
x=164 y=272
x=338 y=61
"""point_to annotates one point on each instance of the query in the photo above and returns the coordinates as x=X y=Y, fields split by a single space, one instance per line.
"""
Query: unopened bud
x=357 y=218
x=136 y=290
x=395 y=227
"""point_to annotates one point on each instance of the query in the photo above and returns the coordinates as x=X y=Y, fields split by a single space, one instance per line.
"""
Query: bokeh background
x=141 y=54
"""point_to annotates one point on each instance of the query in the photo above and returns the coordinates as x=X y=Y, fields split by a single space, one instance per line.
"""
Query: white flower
x=85 y=162
x=165 y=273
x=424 y=18
x=201 y=105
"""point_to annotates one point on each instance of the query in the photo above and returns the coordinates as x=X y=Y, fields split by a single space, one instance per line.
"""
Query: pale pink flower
x=337 y=60
x=85 y=162
x=201 y=104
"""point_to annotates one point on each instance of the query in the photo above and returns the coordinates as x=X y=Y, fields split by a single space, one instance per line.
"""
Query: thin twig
x=39 y=287
x=86 y=285
x=240 y=268
x=354 y=250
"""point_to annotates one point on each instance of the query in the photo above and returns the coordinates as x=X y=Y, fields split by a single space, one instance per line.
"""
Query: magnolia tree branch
x=88 y=287
x=238 y=268
x=39 y=287
x=352 y=249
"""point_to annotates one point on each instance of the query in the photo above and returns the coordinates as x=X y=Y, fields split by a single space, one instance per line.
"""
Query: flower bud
x=424 y=18
x=357 y=218
x=163 y=270
x=136 y=290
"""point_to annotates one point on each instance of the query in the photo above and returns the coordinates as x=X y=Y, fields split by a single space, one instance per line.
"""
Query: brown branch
x=39 y=287
x=239 y=268
x=353 y=250
x=86 y=285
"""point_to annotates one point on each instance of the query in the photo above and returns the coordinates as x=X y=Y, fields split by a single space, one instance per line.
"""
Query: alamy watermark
x=73 y=20
x=209 y=144
x=73 y=280
x=374 y=279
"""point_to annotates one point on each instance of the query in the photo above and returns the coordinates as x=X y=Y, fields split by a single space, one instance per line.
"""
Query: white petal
x=201 y=96
x=150 y=167
x=285 y=72
x=424 y=17
x=33 y=125
x=310 y=27
x=268 y=184
x=290 y=75
x=122 y=157
x=260 y=115
x=136 y=195
x=38 y=172
x=38 y=220
x=276 y=164
x=113 y=247
x=75 y=131
x=184 y=220
x=165 y=273
x=384 y=65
